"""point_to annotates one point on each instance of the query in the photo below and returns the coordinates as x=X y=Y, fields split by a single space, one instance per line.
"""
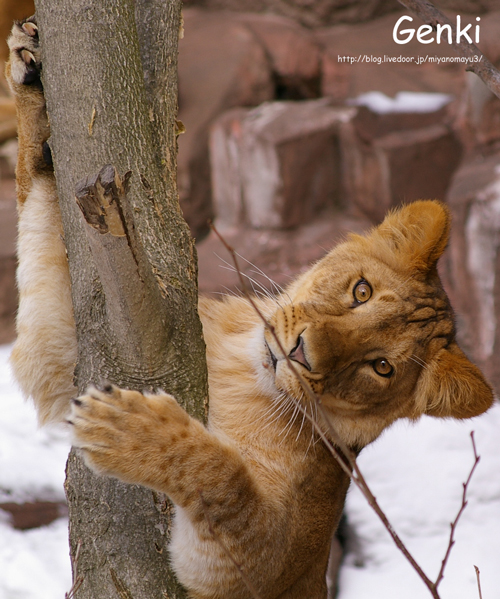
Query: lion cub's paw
x=25 y=56
x=125 y=433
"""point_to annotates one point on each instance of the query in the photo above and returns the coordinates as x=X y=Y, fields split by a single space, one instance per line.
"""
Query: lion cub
x=369 y=328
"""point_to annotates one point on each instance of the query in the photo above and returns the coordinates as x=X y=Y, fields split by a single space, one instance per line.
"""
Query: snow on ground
x=402 y=102
x=415 y=471
x=34 y=564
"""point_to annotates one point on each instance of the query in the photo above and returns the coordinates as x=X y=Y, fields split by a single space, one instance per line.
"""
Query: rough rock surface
x=294 y=54
x=278 y=165
x=472 y=269
x=226 y=61
x=394 y=158
x=221 y=65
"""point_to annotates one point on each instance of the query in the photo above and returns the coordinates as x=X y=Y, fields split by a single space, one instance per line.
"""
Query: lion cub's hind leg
x=44 y=354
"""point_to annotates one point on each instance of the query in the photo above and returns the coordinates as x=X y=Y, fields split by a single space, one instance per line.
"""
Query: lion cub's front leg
x=151 y=440
x=44 y=354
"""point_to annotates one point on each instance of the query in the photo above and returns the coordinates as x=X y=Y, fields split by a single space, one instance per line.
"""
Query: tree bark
x=132 y=261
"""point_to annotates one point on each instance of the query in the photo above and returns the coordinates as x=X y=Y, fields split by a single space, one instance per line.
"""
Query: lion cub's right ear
x=452 y=386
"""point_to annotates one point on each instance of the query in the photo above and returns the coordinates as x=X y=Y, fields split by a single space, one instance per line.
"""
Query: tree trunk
x=132 y=261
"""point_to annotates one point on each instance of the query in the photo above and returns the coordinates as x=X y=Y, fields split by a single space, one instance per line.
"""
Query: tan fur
x=45 y=315
x=271 y=489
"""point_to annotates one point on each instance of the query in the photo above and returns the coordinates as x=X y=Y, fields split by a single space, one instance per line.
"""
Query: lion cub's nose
x=298 y=354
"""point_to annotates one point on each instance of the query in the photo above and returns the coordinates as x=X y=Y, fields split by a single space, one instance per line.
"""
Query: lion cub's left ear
x=452 y=386
x=415 y=235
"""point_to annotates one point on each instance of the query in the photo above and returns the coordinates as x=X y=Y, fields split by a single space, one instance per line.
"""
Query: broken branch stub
x=130 y=289
x=100 y=198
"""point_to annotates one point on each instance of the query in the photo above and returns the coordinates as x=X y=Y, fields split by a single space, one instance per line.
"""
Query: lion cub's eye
x=382 y=367
x=362 y=292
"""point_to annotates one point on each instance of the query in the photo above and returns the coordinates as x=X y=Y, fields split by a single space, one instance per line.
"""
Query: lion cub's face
x=371 y=330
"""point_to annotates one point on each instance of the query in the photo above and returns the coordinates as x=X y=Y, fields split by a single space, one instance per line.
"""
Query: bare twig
x=77 y=580
x=216 y=536
x=478 y=582
x=476 y=60
x=343 y=454
x=453 y=525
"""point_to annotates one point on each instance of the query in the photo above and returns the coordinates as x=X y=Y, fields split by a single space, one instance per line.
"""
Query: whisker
x=313 y=440
x=227 y=268
x=232 y=268
x=289 y=425
x=271 y=410
x=418 y=361
x=315 y=435
x=225 y=262
x=263 y=290
x=296 y=412
x=274 y=295
x=276 y=404
x=282 y=410
x=260 y=294
x=258 y=271
x=304 y=413
x=230 y=291
x=253 y=283
x=277 y=289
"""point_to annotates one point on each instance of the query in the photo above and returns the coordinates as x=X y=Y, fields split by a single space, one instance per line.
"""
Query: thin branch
x=476 y=60
x=478 y=582
x=453 y=525
x=343 y=454
x=77 y=579
x=216 y=536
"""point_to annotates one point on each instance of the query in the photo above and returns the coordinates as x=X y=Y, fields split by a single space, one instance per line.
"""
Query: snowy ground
x=34 y=564
x=415 y=471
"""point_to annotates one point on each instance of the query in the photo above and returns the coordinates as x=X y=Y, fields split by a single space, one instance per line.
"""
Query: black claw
x=76 y=401
x=106 y=388
x=47 y=153
x=70 y=422
x=32 y=76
